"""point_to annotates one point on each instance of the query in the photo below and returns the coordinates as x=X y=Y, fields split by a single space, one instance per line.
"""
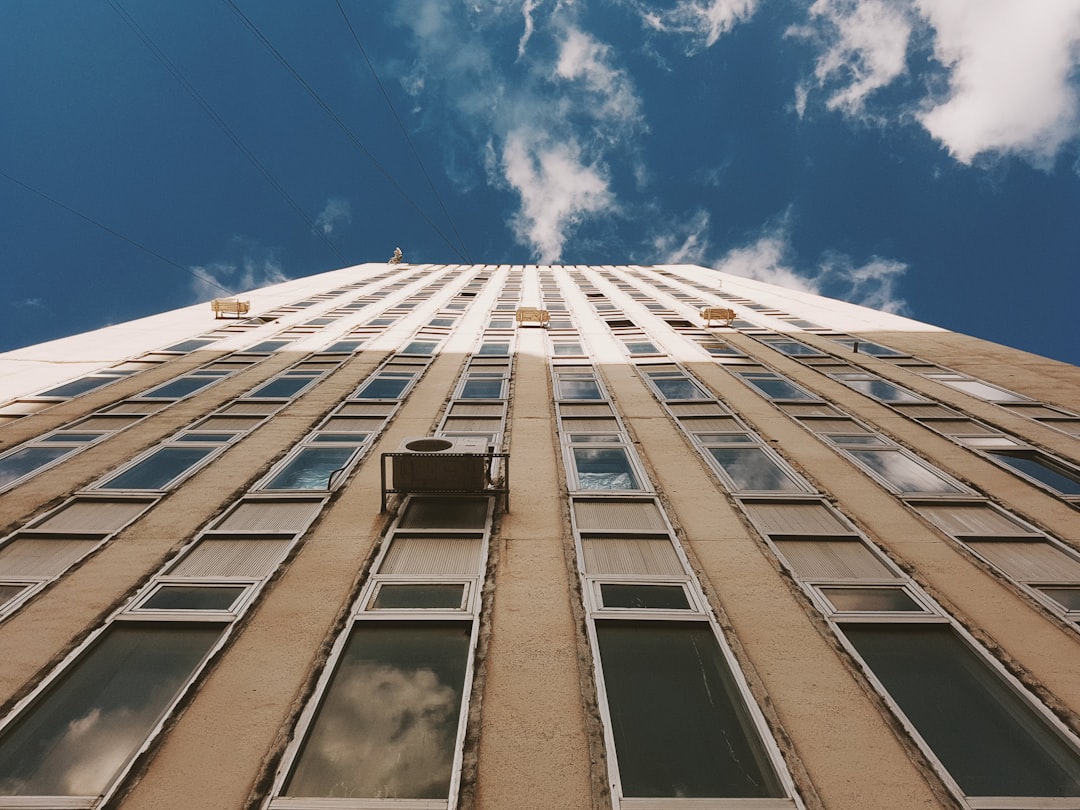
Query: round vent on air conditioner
x=428 y=445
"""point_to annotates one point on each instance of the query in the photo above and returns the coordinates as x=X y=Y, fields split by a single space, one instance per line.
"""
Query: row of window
x=75 y=737
x=911 y=649
x=680 y=722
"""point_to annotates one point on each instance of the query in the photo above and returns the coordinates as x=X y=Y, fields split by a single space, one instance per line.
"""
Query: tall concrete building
x=423 y=536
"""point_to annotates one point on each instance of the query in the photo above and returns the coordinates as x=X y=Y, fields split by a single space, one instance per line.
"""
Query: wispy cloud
x=253 y=267
x=337 y=211
x=864 y=45
x=1007 y=70
x=770 y=257
x=557 y=189
x=703 y=22
x=1012 y=67
x=550 y=121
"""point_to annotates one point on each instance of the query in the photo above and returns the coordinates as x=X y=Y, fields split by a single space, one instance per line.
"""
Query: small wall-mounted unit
x=429 y=464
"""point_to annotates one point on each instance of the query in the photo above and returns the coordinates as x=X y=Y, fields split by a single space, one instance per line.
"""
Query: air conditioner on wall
x=427 y=464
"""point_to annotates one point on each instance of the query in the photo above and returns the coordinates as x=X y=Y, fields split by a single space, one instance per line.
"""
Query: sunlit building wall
x=646 y=537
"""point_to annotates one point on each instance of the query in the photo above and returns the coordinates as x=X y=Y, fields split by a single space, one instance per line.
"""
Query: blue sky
x=915 y=155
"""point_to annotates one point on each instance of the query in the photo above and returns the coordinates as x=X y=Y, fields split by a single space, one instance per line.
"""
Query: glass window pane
x=76 y=387
x=9 y=592
x=679 y=388
x=445 y=513
x=495 y=349
x=750 y=468
x=349 y=438
x=1068 y=596
x=579 y=389
x=283 y=387
x=388 y=723
x=775 y=388
x=793 y=348
x=193 y=597
x=384 y=388
x=190 y=345
x=871 y=599
x=342 y=346
x=311 y=468
x=74 y=740
x=426 y=595
x=904 y=473
x=212 y=438
x=604 y=468
x=656 y=597
x=680 y=726
x=989 y=740
x=268 y=346
x=179 y=388
x=566 y=348
x=982 y=390
x=481 y=389
x=420 y=347
x=28 y=459
x=157 y=470
x=641 y=347
x=883 y=391
x=71 y=437
x=1034 y=467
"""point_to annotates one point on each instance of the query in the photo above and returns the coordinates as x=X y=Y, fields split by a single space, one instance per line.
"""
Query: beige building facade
x=386 y=541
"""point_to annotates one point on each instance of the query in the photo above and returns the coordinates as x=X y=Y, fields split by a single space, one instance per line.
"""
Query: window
x=902 y=473
x=750 y=469
x=866 y=347
x=158 y=470
x=284 y=387
x=408 y=745
x=988 y=737
x=578 y=386
x=877 y=388
x=604 y=468
x=482 y=386
x=311 y=468
x=1038 y=467
x=184 y=386
x=677 y=387
x=91 y=722
x=27 y=460
x=387 y=385
x=976 y=388
x=679 y=724
x=793 y=348
x=775 y=387
x=82 y=385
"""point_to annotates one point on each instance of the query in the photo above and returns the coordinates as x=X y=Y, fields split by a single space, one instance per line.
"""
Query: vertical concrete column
x=534 y=750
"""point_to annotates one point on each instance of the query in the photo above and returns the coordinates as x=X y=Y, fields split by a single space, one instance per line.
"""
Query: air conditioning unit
x=427 y=463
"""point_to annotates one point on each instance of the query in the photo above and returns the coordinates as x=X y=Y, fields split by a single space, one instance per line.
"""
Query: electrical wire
x=217 y=119
x=341 y=125
x=401 y=126
x=115 y=233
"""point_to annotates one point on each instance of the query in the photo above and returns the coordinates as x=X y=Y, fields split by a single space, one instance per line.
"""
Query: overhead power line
x=217 y=119
x=401 y=126
x=115 y=233
x=341 y=125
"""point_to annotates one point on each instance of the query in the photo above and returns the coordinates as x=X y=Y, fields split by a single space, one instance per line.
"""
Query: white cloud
x=557 y=190
x=546 y=125
x=1011 y=66
x=256 y=267
x=337 y=211
x=1009 y=69
x=873 y=284
x=703 y=21
x=686 y=242
x=527 y=9
x=609 y=90
x=868 y=50
x=770 y=258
